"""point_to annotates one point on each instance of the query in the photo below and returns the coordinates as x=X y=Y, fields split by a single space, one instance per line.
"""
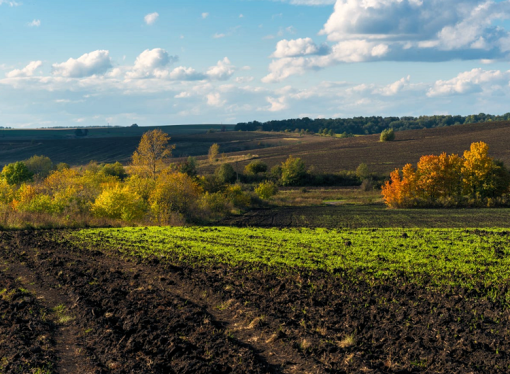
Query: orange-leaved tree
x=446 y=178
x=152 y=153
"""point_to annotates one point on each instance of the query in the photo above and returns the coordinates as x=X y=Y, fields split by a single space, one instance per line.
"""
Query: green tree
x=293 y=171
x=17 y=173
x=362 y=172
x=116 y=170
x=189 y=167
x=40 y=166
x=387 y=135
x=226 y=173
x=255 y=167
x=266 y=189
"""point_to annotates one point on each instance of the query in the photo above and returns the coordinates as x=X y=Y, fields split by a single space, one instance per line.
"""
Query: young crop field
x=255 y=300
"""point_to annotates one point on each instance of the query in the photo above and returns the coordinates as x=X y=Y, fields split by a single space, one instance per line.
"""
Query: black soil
x=155 y=317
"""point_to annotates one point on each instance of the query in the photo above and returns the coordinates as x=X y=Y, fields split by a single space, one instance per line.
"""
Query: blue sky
x=94 y=62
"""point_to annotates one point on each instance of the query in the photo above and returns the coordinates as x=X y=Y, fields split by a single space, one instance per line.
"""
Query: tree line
x=366 y=125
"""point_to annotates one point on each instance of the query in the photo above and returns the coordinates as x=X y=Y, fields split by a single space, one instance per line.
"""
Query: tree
x=116 y=170
x=387 y=135
x=226 y=173
x=214 y=151
x=293 y=171
x=152 y=153
x=266 y=189
x=40 y=166
x=189 y=167
x=362 y=172
x=255 y=167
x=16 y=173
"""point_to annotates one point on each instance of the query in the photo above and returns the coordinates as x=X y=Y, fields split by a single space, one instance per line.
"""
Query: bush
x=293 y=171
x=387 y=135
x=173 y=193
x=226 y=174
x=255 y=167
x=16 y=173
x=237 y=197
x=40 y=166
x=115 y=170
x=362 y=172
x=266 y=189
x=119 y=203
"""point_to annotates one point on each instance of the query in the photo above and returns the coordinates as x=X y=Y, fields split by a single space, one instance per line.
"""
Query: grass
x=441 y=257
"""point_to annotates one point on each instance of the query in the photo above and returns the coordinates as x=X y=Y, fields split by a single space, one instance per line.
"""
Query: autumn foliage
x=449 y=180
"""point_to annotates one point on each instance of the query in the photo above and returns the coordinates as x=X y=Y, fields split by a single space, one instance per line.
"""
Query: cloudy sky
x=79 y=63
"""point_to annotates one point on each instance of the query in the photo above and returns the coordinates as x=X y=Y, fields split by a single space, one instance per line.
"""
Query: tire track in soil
x=242 y=324
x=68 y=348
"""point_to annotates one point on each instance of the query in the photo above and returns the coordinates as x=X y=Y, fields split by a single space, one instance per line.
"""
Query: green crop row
x=457 y=257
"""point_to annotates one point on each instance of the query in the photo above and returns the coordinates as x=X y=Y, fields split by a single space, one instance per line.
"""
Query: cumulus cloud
x=10 y=3
x=97 y=62
x=298 y=47
x=476 y=80
x=182 y=73
x=151 y=18
x=27 y=71
x=400 y=30
x=151 y=63
x=215 y=99
x=35 y=23
x=222 y=71
x=205 y=15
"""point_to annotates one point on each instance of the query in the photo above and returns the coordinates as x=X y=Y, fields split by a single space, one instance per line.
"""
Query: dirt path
x=92 y=296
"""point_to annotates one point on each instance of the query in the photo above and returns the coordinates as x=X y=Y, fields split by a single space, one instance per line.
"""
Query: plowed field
x=198 y=300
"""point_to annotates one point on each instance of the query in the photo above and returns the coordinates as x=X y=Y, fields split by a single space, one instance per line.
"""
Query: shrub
x=362 y=172
x=16 y=173
x=226 y=174
x=115 y=170
x=266 y=189
x=293 y=171
x=173 y=192
x=387 y=135
x=214 y=151
x=40 y=166
x=237 y=197
x=119 y=202
x=216 y=203
x=255 y=167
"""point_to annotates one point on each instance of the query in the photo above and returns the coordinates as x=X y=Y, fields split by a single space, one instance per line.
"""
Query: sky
x=93 y=63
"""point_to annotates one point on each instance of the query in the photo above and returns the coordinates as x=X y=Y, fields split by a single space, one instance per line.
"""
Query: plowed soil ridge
x=135 y=318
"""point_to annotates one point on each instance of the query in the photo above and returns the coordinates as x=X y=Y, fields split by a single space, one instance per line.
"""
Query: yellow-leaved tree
x=152 y=153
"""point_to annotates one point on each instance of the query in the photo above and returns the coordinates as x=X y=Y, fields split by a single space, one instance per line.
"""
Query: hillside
x=79 y=151
x=329 y=155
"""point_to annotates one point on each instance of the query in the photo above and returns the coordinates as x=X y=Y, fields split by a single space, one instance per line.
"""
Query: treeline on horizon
x=367 y=125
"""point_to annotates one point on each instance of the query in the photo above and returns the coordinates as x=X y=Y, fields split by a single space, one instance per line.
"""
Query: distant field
x=79 y=151
x=105 y=132
x=332 y=154
x=371 y=216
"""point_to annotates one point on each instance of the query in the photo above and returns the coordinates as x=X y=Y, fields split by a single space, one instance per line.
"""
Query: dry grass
x=348 y=341
x=325 y=195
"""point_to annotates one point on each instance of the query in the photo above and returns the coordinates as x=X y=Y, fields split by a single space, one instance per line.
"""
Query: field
x=330 y=155
x=78 y=151
x=221 y=300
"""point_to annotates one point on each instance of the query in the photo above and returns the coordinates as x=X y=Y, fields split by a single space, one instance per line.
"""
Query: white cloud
x=215 y=99
x=400 y=30
x=10 y=3
x=27 y=71
x=151 y=18
x=182 y=73
x=241 y=16
x=298 y=47
x=97 y=62
x=205 y=15
x=218 y=36
x=476 y=80
x=151 y=63
x=35 y=23
x=277 y=104
x=223 y=70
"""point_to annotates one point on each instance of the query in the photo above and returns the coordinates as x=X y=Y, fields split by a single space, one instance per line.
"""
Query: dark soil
x=156 y=317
